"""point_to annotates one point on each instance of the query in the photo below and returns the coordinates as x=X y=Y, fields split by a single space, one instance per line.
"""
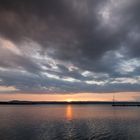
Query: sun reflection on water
x=69 y=112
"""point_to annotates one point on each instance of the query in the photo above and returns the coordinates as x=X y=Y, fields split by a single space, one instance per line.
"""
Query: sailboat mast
x=113 y=98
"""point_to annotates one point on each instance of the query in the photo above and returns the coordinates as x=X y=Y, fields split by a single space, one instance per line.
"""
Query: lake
x=69 y=122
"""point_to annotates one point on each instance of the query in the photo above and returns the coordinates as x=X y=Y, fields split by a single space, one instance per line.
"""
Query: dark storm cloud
x=70 y=46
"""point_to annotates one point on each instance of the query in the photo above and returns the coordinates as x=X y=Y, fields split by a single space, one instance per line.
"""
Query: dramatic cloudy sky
x=69 y=46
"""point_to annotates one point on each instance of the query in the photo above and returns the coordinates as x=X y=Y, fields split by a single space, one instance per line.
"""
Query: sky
x=69 y=49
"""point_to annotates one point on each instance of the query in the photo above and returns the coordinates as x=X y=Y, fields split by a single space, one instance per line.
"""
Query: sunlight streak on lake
x=69 y=112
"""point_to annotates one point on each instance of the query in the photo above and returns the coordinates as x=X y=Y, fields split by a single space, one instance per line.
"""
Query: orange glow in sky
x=122 y=96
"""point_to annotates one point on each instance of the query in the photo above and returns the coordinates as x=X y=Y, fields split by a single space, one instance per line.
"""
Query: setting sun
x=69 y=100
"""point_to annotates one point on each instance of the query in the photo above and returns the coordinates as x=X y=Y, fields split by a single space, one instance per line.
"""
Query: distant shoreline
x=16 y=102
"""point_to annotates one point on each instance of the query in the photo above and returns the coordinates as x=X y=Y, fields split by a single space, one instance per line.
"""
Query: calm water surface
x=69 y=122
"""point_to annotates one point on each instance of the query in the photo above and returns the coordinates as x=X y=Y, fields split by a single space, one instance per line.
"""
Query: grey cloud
x=96 y=36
